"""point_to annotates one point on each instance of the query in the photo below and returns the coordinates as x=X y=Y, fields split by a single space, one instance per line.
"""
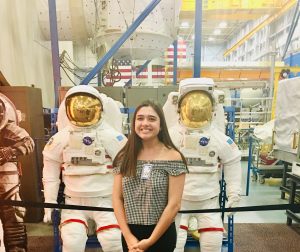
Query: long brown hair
x=126 y=159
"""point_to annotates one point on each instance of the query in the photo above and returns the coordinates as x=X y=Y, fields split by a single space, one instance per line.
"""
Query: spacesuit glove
x=48 y=212
x=193 y=228
x=233 y=201
x=7 y=154
x=48 y=215
x=51 y=188
x=193 y=224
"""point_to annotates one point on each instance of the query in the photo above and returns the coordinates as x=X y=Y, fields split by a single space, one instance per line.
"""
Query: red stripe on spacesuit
x=109 y=167
x=107 y=227
x=212 y=229
x=74 y=220
x=184 y=227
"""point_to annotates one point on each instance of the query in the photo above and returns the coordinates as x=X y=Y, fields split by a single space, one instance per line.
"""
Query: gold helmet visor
x=196 y=109
x=83 y=109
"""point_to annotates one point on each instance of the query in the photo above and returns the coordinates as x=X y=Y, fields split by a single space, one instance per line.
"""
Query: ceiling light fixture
x=223 y=24
x=217 y=31
x=185 y=25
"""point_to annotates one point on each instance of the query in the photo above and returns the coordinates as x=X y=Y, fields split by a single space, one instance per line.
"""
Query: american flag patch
x=120 y=138
x=229 y=141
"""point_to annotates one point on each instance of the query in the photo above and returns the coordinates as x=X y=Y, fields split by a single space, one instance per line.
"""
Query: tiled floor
x=261 y=194
x=39 y=229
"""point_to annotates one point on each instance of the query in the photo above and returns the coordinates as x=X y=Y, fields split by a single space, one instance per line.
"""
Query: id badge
x=146 y=171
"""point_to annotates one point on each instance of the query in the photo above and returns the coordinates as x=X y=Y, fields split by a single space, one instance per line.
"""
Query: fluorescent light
x=217 y=31
x=185 y=25
x=211 y=39
x=223 y=24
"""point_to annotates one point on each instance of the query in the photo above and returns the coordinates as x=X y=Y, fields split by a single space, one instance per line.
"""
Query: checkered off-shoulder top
x=146 y=195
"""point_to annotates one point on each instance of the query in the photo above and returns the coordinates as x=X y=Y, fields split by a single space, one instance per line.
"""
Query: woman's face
x=147 y=123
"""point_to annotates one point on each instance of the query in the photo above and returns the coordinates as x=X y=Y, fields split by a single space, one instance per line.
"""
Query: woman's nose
x=145 y=122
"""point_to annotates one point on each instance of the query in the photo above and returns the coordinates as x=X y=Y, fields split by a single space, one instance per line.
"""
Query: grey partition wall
x=163 y=92
x=117 y=93
x=136 y=95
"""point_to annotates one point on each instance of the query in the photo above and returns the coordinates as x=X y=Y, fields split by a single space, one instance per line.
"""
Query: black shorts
x=166 y=243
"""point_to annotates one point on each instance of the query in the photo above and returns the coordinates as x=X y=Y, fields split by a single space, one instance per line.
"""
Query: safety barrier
x=292 y=207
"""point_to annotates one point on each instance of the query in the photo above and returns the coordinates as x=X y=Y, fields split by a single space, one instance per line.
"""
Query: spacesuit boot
x=15 y=237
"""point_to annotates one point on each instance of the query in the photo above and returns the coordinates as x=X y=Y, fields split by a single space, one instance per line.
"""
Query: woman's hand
x=135 y=250
x=143 y=244
x=132 y=244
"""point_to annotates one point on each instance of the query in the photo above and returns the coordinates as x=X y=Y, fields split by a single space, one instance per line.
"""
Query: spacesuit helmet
x=3 y=117
x=196 y=102
x=83 y=106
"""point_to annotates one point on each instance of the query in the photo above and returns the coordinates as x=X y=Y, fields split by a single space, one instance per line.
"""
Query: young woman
x=148 y=184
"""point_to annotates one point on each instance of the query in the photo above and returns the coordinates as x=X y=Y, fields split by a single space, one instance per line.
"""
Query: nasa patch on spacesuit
x=203 y=141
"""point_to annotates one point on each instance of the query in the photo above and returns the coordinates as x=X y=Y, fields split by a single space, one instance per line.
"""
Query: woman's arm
x=176 y=184
x=118 y=205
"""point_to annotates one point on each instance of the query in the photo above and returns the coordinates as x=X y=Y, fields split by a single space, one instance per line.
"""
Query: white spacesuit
x=82 y=153
x=206 y=149
x=14 y=142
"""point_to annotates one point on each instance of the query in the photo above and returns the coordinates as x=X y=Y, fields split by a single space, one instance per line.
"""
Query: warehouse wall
x=272 y=37
x=25 y=59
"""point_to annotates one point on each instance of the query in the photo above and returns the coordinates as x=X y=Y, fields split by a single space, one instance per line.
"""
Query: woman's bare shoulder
x=172 y=154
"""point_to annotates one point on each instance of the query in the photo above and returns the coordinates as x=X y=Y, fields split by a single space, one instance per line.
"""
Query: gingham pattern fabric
x=145 y=199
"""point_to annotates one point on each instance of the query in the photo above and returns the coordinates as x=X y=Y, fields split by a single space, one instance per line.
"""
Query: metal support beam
x=292 y=29
x=197 y=40
x=249 y=163
x=269 y=20
x=54 y=49
x=141 y=68
x=275 y=90
x=271 y=82
x=175 y=61
x=120 y=41
x=230 y=234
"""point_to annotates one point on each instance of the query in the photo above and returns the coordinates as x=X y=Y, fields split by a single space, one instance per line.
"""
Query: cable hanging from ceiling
x=65 y=61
